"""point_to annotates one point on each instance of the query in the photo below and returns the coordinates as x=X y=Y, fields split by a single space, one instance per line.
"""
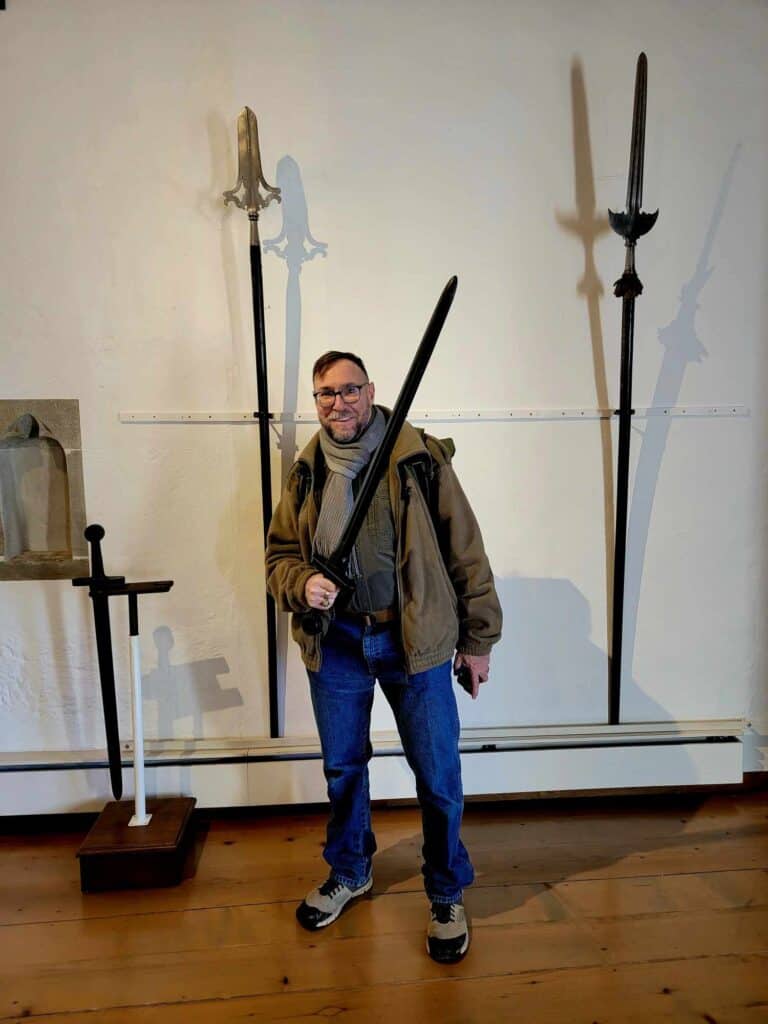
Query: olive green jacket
x=445 y=585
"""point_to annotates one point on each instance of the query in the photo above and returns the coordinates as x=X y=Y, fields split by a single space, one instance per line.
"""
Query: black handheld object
x=335 y=566
x=464 y=679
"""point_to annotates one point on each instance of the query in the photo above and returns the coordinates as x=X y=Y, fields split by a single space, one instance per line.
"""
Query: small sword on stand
x=249 y=178
x=100 y=588
x=631 y=225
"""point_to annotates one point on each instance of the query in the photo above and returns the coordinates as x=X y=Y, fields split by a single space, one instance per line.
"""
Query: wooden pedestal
x=116 y=856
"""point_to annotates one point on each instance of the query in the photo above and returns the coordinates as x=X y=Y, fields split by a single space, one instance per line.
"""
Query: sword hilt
x=98 y=581
x=315 y=622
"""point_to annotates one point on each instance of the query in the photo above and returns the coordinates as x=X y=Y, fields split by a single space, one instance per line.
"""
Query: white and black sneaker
x=323 y=905
x=448 y=933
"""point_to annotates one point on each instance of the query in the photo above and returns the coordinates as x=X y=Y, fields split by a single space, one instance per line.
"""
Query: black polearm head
x=633 y=223
x=637 y=146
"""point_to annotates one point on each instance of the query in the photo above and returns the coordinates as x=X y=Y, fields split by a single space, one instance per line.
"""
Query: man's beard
x=361 y=429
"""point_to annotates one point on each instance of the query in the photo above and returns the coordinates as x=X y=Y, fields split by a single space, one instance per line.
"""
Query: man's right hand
x=320 y=592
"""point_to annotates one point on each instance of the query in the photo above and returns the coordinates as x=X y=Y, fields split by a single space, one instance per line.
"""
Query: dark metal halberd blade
x=633 y=224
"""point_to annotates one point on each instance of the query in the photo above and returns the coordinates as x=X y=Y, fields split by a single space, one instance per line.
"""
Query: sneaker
x=322 y=906
x=448 y=933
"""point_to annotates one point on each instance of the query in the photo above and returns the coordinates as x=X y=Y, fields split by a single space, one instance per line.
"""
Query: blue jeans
x=424 y=706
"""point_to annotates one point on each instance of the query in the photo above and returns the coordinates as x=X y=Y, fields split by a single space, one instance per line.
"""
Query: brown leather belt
x=371 y=618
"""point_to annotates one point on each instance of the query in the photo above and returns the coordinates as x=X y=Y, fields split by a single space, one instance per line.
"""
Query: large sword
x=249 y=178
x=99 y=588
x=336 y=566
x=631 y=225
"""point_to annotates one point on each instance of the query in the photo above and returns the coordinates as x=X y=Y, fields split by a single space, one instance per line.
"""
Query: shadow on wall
x=586 y=225
x=681 y=347
x=186 y=691
x=545 y=670
x=296 y=245
x=291 y=245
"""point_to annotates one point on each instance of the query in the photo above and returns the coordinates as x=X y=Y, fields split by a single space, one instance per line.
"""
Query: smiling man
x=423 y=597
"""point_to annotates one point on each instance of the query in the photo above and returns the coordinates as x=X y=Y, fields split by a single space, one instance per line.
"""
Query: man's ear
x=372 y=386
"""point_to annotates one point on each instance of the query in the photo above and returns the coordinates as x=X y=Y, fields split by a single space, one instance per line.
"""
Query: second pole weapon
x=631 y=225
x=250 y=177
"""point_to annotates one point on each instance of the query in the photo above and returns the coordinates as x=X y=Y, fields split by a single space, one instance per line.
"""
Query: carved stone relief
x=42 y=502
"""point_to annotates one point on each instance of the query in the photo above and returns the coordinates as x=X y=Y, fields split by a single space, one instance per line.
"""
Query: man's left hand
x=478 y=668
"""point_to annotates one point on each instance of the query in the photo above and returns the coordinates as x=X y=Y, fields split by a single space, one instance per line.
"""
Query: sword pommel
x=94 y=534
x=249 y=173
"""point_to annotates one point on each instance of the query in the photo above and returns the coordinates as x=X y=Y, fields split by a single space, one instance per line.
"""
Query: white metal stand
x=140 y=816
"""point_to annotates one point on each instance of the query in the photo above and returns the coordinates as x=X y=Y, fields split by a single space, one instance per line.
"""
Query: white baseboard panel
x=290 y=772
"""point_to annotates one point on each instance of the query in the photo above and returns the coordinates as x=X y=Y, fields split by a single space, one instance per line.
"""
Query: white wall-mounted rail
x=725 y=410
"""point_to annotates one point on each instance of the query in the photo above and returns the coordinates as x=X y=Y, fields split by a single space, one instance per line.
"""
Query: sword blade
x=335 y=565
x=108 y=699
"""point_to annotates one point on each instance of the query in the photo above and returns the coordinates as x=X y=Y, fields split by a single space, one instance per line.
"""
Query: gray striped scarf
x=344 y=462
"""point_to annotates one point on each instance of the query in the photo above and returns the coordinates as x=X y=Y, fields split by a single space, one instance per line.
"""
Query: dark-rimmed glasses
x=350 y=393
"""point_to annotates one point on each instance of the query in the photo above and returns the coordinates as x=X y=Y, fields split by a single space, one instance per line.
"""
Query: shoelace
x=444 y=912
x=330 y=887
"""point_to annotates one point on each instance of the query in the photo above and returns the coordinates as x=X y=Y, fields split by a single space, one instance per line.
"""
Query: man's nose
x=337 y=398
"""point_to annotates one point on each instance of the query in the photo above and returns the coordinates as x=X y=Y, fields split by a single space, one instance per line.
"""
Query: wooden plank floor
x=590 y=910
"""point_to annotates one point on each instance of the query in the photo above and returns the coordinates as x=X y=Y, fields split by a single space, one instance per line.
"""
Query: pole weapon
x=335 y=566
x=631 y=225
x=249 y=178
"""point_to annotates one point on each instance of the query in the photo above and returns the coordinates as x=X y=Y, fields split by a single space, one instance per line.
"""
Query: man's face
x=345 y=421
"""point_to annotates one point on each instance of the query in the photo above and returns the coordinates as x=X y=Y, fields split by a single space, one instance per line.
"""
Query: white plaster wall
x=432 y=138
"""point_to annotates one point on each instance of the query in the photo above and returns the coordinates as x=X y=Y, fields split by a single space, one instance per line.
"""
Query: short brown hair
x=325 y=362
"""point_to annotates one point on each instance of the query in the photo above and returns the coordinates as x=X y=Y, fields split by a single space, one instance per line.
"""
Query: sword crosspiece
x=250 y=177
x=631 y=225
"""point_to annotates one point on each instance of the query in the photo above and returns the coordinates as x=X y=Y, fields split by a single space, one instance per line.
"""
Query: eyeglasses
x=326 y=397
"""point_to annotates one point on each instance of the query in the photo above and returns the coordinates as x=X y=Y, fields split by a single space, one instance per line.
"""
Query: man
x=423 y=589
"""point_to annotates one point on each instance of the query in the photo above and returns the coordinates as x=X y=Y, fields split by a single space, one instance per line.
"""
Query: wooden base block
x=116 y=856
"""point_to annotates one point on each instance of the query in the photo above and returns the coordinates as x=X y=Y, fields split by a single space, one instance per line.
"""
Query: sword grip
x=313 y=623
x=94 y=534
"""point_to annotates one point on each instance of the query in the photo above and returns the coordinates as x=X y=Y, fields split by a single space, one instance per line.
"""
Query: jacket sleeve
x=461 y=543
x=287 y=569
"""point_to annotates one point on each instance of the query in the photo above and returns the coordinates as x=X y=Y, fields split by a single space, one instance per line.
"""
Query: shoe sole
x=334 y=917
x=459 y=956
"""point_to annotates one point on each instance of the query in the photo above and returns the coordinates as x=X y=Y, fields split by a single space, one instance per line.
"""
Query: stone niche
x=42 y=501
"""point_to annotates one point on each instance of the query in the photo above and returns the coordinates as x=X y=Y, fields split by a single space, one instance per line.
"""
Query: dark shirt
x=376 y=587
